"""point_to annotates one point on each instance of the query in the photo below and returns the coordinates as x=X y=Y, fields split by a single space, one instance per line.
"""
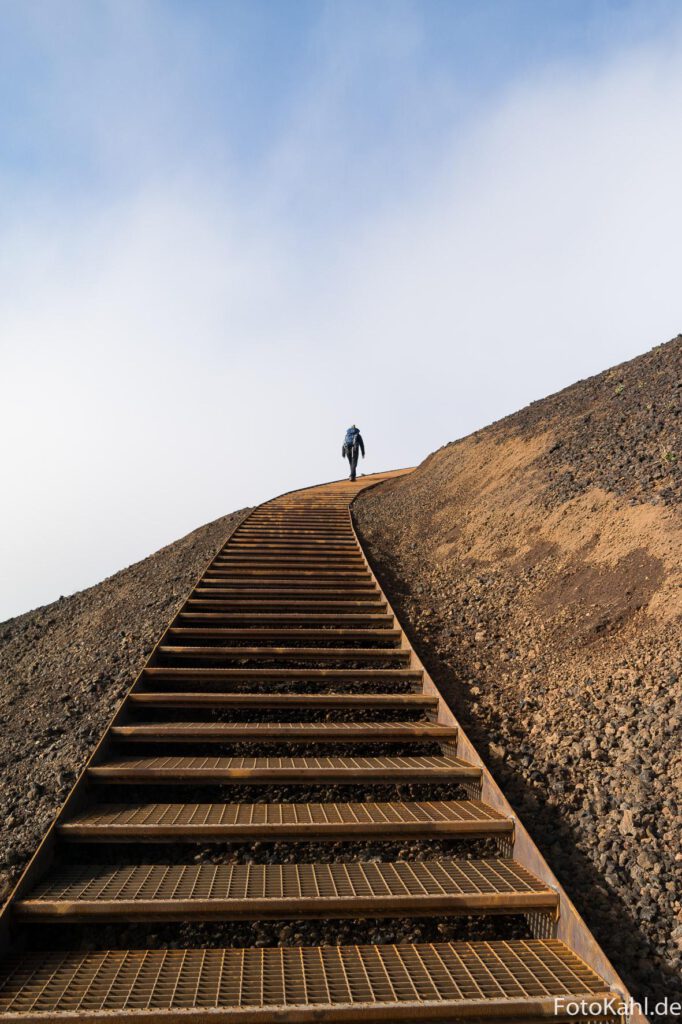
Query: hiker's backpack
x=352 y=435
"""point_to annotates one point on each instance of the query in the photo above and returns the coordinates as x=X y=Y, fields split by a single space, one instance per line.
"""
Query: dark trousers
x=352 y=453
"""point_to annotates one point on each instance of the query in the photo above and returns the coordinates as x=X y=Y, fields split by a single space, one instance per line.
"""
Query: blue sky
x=225 y=83
x=229 y=229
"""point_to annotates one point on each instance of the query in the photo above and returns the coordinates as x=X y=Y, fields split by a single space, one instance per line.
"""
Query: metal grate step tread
x=194 y=891
x=282 y=544
x=292 y=653
x=297 y=618
x=304 y=770
x=296 y=581
x=288 y=594
x=250 y=986
x=257 y=633
x=266 y=610
x=298 y=559
x=266 y=701
x=246 y=570
x=302 y=591
x=294 y=537
x=310 y=732
x=278 y=599
x=188 y=822
x=365 y=674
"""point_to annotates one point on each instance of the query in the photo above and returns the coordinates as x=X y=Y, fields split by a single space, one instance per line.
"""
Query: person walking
x=351 y=444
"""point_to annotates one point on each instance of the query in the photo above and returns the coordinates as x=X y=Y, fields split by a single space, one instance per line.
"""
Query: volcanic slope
x=536 y=565
x=63 y=670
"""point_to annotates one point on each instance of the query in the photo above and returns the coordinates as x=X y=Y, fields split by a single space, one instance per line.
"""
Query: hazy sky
x=230 y=229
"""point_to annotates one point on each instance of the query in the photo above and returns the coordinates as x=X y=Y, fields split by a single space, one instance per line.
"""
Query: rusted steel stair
x=288 y=643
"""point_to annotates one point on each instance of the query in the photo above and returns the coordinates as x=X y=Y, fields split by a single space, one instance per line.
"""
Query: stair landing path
x=286 y=675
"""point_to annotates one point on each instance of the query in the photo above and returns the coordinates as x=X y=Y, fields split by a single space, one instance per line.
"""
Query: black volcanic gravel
x=325 y=932
x=619 y=430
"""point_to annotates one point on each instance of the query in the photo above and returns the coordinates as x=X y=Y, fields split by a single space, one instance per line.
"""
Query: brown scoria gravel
x=63 y=670
x=536 y=566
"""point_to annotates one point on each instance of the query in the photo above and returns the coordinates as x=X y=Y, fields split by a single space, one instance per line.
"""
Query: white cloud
x=193 y=345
